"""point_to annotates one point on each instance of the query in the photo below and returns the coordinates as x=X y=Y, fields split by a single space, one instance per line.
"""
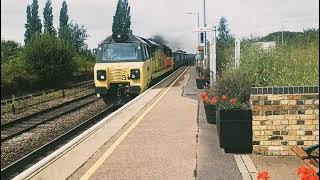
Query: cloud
x=169 y=19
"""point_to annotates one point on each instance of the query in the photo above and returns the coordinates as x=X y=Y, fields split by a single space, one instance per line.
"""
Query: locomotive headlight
x=101 y=75
x=135 y=73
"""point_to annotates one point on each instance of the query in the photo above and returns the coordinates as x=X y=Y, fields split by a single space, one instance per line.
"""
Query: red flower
x=214 y=100
x=233 y=101
x=263 y=175
x=307 y=173
x=224 y=97
x=203 y=96
x=207 y=100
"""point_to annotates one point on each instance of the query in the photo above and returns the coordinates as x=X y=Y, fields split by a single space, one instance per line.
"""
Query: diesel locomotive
x=127 y=64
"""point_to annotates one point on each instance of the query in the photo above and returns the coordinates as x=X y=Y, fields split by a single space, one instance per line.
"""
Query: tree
x=50 y=59
x=122 y=19
x=28 y=33
x=48 y=19
x=77 y=36
x=35 y=23
x=224 y=44
x=224 y=36
x=9 y=50
x=63 y=21
x=71 y=32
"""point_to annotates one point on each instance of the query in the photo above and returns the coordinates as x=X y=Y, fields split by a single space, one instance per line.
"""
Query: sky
x=169 y=18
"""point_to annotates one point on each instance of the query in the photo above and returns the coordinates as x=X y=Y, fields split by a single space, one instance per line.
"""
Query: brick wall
x=284 y=117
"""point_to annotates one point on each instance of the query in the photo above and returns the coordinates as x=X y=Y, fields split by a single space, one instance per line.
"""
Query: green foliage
x=224 y=44
x=46 y=61
x=288 y=65
x=77 y=36
x=292 y=38
x=63 y=21
x=8 y=68
x=233 y=83
x=35 y=23
x=122 y=19
x=48 y=19
x=9 y=50
x=50 y=59
x=15 y=77
x=224 y=37
x=203 y=73
x=84 y=64
x=73 y=32
x=28 y=33
x=224 y=57
x=296 y=63
x=90 y=55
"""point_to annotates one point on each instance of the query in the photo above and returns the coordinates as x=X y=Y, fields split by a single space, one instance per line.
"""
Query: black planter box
x=210 y=113
x=200 y=83
x=234 y=129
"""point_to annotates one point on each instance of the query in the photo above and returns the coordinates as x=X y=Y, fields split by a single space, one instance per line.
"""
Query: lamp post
x=205 y=35
x=198 y=15
x=213 y=63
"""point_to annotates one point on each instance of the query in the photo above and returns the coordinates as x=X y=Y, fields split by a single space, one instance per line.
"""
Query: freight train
x=127 y=64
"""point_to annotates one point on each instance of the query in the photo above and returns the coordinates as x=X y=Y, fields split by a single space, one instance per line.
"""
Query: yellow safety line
x=97 y=164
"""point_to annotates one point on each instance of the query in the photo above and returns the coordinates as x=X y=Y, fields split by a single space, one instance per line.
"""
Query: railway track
x=14 y=128
x=35 y=156
x=25 y=97
x=23 y=163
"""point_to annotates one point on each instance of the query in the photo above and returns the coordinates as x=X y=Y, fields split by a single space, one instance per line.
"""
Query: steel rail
x=35 y=119
x=10 y=123
x=28 y=96
x=11 y=170
x=27 y=167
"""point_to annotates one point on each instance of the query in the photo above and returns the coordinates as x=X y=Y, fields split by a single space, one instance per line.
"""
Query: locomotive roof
x=131 y=38
x=179 y=51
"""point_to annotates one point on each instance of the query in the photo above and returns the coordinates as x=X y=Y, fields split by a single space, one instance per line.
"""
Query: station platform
x=162 y=135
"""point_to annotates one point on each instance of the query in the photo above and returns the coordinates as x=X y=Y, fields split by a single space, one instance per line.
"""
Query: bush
x=203 y=73
x=224 y=57
x=288 y=65
x=233 y=83
x=50 y=59
x=15 y=77
x=83 y=64
x=9 y=50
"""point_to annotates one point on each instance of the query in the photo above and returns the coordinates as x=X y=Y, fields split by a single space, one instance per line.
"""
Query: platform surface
x=169 y=138
x=173 y=141
x=162 y=146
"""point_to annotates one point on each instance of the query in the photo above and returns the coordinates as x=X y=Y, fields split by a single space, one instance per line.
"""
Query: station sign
x=203 y=29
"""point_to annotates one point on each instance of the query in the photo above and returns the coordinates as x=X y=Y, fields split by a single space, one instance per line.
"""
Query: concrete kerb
x=246 y=167
x=58 y=153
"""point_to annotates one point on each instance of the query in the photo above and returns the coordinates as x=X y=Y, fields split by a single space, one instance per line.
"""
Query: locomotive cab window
x=146 y=52
x=121 y=52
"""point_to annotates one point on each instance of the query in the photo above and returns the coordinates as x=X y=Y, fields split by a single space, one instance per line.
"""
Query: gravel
x=19 y=146
x=39 y=107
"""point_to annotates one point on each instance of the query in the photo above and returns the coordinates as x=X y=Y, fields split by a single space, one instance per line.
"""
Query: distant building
x=269 y=45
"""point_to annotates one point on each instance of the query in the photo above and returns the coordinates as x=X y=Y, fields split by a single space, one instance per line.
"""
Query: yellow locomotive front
x=123 y=68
